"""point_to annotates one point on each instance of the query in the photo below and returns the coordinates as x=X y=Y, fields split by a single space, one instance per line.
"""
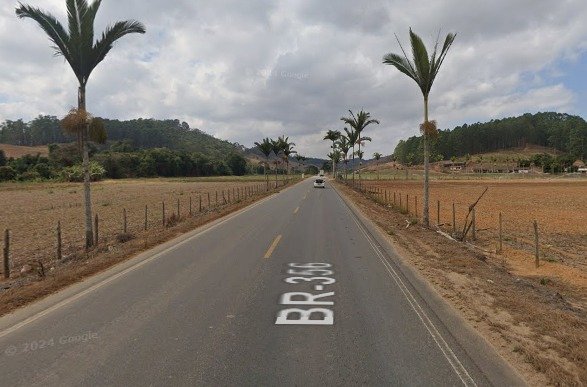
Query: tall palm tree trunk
x=360 y=162
x=425 y=210
x=86 y=168
x=266 y=174
x=333 y=163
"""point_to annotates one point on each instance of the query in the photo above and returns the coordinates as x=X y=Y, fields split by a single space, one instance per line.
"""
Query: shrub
x=7 y=173
x=124 y=237
x=29 y=175
x=76 y=173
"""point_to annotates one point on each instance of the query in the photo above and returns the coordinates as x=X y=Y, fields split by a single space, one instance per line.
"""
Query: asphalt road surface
x=294 y=290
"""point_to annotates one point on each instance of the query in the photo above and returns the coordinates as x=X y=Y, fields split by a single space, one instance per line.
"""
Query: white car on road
x=319 y=183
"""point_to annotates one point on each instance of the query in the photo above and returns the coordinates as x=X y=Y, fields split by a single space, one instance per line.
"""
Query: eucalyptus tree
x=265 y=147
x=423 y=70
x=358 y=123
x=377 y=156
x=343 y=145
x=333 y=135
x=83 y=54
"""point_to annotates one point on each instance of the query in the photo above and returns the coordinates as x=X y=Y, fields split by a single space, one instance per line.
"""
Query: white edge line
x=448 y=353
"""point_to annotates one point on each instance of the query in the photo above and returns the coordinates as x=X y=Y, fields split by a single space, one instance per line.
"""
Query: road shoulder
x=465 y=290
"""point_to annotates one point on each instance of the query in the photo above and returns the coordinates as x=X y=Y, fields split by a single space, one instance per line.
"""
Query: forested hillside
x=563 y=132
x=137 y=134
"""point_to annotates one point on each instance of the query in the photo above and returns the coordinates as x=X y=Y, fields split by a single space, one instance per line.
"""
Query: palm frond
x=52 y=27
x=110 y=36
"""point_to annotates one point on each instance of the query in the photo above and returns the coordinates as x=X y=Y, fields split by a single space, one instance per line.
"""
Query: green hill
x=563 y=133
x=136 y=134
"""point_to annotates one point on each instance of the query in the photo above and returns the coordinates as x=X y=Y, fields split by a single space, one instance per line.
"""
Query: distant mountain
x=564 y=133
x=136 y=134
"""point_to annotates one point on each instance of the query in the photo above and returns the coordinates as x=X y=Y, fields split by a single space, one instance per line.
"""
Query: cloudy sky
x=244 y=70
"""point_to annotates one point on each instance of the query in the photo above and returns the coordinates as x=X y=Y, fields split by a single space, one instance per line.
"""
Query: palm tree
x=423 y=70
x=301 y=160
x=344 y=145
x=352 y=137
x=358 y=123
x=335 y=157
x=266 y=148
x=333 y=135
x=276 y=145
x=287 y=150
x=377 y=157
x=78 y=48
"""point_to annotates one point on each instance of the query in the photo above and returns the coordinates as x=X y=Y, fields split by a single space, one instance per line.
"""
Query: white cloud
x=247 y=70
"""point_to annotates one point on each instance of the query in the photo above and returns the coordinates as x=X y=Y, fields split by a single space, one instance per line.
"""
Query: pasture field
x=558 y=205
x=31 y=210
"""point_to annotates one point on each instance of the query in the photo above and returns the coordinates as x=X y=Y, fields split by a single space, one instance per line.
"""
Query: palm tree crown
x=422 y=69
x=77 y=44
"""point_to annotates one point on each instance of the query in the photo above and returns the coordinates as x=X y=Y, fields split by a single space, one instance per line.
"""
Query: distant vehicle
x=321 y=173
x=319 y=183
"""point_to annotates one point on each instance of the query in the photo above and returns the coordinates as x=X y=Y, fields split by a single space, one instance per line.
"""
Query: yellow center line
x=296 y=210
x=272 y=247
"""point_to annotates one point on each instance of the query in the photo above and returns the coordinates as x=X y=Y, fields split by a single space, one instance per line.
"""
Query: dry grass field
x=17 y=151
x=31 y=210
x=558 y=205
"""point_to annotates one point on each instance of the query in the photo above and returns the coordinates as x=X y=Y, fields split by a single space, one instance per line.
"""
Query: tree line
x=563 y=132
x=120 y=161
x=139 y=133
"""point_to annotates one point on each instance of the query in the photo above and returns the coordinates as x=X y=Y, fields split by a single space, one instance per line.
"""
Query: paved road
x=231 y=306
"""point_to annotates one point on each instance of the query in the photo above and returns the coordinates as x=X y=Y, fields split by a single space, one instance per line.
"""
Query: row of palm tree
x=423 y=69
x=353 y=136
x=282 y=148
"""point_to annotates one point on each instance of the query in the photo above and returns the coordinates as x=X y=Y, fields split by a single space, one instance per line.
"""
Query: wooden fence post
x=416 y=205
x=216 y=198
x=438 y=213
x=59 y=254
x=400 y=203
x=200 y=197
x=473 y=224
x=124 y=220
x=208 y=199
x=394 y=198
x=7 y=254
x=386 y=202
x=190 y=206
x=454 y=220
x=500 y=233
x=146 y=217
x=178 y=209
x=536 y=245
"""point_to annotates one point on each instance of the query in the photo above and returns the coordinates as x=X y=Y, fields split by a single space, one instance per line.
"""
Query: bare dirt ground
x=559 y=207
x=537 y=321
x=31 y=212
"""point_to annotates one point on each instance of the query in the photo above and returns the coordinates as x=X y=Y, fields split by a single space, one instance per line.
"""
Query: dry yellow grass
x=559 y=207
x=31 y=211
x=17 y=151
